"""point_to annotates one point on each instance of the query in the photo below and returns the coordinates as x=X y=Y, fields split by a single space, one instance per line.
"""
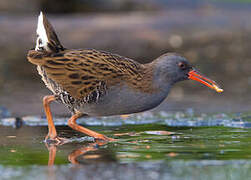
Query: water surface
x=153 y=146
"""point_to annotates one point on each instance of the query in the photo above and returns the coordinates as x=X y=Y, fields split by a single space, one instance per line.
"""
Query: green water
x=185 y=150
x=136 y=143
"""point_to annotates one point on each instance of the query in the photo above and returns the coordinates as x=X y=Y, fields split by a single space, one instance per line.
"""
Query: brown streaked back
x=80 y=72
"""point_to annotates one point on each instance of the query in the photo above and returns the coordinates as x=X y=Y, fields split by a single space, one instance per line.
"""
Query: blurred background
x=215 y=35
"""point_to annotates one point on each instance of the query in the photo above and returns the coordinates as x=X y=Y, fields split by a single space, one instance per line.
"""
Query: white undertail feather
x=42 y=44
x=42 y=39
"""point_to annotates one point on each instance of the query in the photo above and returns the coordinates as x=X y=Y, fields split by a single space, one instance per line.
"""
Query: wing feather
x=81 y=72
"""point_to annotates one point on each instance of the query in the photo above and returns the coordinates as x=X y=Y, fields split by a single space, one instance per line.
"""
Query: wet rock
x=176 y=119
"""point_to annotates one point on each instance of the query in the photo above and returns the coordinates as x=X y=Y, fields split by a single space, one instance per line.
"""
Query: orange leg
x=52 y=134
x=72 y=123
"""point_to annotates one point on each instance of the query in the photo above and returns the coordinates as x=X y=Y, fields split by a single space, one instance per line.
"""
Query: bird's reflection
x=72 y=157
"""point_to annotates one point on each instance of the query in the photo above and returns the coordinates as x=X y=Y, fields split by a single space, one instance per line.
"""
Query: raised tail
x=47 y=39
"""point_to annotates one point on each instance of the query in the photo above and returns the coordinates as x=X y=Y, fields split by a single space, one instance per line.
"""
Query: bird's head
x=174 y=68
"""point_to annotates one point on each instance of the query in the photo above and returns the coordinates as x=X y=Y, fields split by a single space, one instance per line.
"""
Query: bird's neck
x=153 y=79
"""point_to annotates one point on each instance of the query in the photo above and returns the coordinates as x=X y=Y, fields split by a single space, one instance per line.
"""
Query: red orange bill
x=194 y=75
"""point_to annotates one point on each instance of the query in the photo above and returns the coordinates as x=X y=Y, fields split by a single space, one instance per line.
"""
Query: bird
x=99 y=83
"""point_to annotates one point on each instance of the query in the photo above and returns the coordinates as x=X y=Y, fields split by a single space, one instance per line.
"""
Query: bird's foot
x=56 y=140
x=105 y=138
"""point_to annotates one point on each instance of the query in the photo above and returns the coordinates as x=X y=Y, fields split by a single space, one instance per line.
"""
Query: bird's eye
x=182 y=65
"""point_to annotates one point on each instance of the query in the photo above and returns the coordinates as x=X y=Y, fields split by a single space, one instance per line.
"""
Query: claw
x=56 y=141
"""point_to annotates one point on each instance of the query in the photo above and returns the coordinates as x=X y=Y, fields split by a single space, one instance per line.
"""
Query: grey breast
x=123 y=100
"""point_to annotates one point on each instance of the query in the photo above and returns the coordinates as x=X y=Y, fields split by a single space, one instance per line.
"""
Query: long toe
x=106 y=139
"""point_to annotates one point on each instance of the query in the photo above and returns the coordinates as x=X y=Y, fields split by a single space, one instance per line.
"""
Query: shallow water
x=149 y=146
